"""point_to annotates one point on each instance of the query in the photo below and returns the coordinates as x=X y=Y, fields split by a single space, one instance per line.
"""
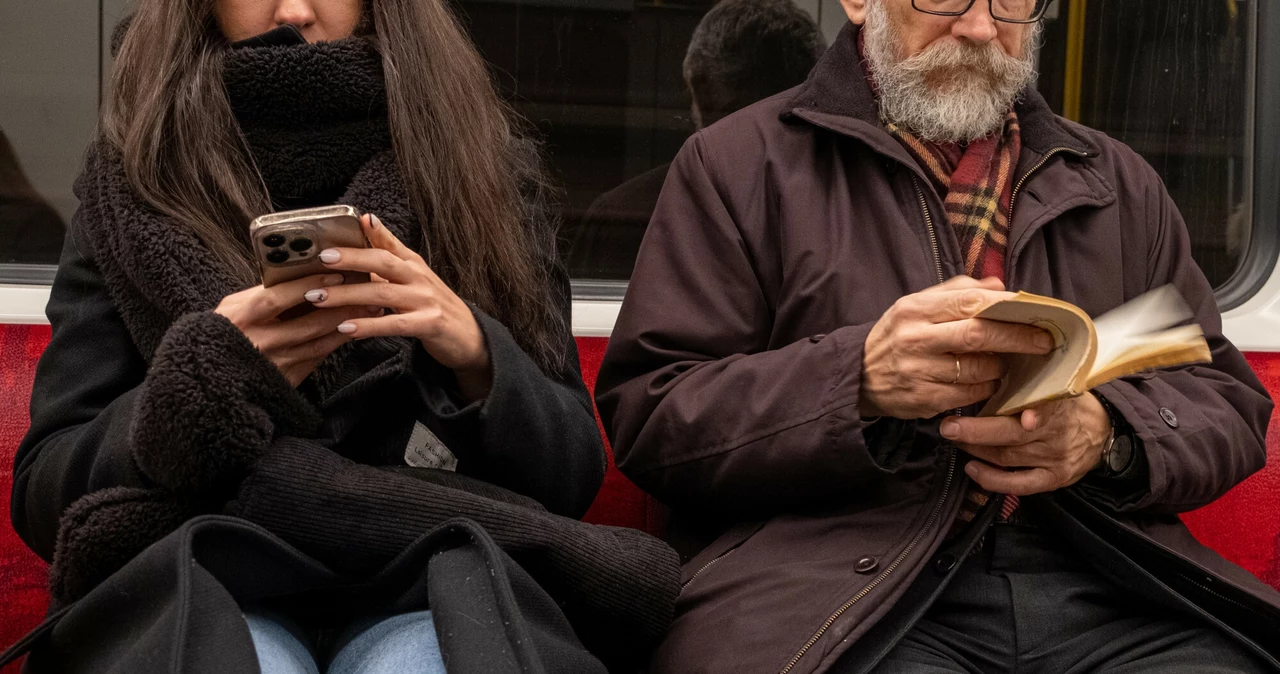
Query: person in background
x=741 y=52
x=797 y=367
x=31 y=231
x=394 y=476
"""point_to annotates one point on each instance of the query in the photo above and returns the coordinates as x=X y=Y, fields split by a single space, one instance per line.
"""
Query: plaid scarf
x=978 y=182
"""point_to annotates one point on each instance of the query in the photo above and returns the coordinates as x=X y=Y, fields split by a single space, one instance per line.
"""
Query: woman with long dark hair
x=221 y=484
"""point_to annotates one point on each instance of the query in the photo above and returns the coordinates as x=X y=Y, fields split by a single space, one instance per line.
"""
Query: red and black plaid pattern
x=977 y=180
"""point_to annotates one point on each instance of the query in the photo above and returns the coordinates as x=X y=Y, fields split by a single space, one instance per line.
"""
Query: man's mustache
x=988 y=59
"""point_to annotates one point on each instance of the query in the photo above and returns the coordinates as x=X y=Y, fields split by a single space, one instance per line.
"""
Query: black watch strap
x=1118 y=456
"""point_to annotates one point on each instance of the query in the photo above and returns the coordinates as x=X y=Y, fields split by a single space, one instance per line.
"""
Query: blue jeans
x=398 y=644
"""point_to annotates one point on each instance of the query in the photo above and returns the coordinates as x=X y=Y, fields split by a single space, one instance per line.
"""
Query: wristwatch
x=1117 y=453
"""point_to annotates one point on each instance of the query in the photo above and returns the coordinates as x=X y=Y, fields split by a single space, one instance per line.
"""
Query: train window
x=49 y=79
x=605 y=82
x=1174 y=79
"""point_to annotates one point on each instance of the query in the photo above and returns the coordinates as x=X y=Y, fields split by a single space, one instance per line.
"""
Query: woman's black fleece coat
x=148 y=408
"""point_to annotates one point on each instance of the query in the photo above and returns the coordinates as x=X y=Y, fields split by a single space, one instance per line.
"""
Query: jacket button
x=867 y=565
x=1169 y=417
x=944 y=563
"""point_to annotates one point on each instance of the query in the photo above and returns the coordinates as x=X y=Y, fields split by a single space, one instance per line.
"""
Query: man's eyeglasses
x=1008 y=11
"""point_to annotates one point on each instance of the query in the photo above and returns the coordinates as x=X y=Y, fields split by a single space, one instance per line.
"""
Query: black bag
x=176 y=607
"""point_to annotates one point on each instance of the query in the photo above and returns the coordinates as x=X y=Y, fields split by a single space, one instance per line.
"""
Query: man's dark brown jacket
x=731 y=384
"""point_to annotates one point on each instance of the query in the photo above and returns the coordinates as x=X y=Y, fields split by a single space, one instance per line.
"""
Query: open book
x=1136 y=336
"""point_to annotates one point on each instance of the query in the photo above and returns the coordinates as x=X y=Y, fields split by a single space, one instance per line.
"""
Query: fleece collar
x=313 y=114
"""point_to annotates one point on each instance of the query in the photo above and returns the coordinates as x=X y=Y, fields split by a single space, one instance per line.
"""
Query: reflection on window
x=48 y=103
x=1174 y=80
x=609 y=83
x=30 y=229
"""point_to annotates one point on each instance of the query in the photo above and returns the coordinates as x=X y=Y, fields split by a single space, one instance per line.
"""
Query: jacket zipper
x=933 y=243
x=937 y=507
x=1013 y=198
x=933 y=516
x=710 y=564
x=928 y=223
x=1223 y=597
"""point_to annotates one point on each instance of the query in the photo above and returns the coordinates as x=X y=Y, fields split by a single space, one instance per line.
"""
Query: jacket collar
x=838 y=97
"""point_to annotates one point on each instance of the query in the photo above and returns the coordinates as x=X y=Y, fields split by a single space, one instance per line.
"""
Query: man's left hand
x=1043 y=449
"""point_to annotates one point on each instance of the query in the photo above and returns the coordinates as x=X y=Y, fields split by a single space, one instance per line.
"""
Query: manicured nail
x=335 y=280
x=316 y=295
x=949 y=429
x=330 y=256
x=1043 y=341
x=374 y=310
x=346 y=328
x=970 y=470
x=374 y=222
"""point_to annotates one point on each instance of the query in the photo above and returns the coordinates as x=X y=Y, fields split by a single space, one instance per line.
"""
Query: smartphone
x=288 y=244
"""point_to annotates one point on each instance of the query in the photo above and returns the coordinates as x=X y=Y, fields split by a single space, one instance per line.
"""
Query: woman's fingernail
x=346 y=328
x=316 y=295
x=330 y=256
x=335 y=280
x=374 y=310
x=374 y=221
x=949 y=429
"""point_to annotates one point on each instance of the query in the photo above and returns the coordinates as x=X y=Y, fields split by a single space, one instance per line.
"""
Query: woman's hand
x=296 y=346
x=424 y=306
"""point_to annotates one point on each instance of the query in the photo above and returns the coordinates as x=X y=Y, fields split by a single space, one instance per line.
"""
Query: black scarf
x=313 y=114
x=315 y=117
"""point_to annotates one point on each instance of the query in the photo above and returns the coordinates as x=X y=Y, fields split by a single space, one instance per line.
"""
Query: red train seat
x=1244 y=526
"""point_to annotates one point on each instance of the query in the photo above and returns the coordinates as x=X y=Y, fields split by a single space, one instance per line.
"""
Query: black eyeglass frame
x=990 y=9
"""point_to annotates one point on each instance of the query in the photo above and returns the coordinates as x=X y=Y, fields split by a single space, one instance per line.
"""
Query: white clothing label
x=425 y=450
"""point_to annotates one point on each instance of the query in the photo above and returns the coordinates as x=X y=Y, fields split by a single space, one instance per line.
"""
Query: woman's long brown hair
x=474 y=182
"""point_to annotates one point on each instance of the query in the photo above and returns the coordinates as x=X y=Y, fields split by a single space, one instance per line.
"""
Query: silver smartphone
x=287 y=244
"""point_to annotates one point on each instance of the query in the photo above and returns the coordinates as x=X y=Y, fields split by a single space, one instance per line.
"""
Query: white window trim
x=24 y=304
x=1254 y=326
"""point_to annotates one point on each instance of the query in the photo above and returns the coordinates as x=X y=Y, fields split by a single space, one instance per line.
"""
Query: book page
x=1176 y=346
x=1133 y=322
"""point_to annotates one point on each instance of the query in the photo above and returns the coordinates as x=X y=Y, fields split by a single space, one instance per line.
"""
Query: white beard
x=950 y=92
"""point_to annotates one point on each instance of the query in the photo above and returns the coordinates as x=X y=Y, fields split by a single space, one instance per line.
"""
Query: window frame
x=1259 y=262
x=599 y=299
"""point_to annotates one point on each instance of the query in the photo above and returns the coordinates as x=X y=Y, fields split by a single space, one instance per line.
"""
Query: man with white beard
x=796 y=369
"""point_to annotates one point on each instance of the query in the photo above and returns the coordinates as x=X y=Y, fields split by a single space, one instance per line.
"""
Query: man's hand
x=1041 y=450
x=909 y=366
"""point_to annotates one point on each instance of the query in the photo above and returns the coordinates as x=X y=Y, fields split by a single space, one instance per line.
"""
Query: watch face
x=1121 y=454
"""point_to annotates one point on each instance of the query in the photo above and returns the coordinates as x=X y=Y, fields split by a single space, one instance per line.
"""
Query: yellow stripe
x=1074 y=76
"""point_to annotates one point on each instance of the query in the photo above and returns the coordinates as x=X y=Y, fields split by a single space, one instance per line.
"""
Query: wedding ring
x=957 y=381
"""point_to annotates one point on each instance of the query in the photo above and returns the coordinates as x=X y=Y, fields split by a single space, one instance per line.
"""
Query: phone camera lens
x=277 y=257
x=273 y=240
x=300 y=244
